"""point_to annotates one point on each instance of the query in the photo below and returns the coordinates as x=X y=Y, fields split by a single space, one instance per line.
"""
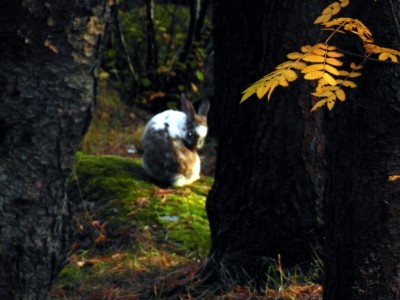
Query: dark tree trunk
x=47 y=54
x=363 y=208
x=267 y=196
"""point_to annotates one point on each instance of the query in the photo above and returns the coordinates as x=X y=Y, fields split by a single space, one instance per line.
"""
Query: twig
x=367 y=58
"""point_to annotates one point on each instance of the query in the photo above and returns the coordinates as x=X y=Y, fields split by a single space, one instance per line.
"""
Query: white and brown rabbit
x=170 y=143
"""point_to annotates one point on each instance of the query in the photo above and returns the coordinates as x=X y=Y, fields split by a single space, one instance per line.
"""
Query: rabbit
x=171 y=140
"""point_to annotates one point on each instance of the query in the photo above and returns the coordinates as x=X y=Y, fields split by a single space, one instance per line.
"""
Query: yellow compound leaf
x=314 y=75
x=354 y=74
x=331 y=70
x=334 y=62
x=294 y=55
x=334 y=54
x=350 y=84
x=340 y=94
x=312 y=68
x=313 y=58
x=329 y=79
x=290 y=75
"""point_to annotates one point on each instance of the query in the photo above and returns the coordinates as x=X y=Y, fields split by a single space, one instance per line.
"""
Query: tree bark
x=269 y=181
x=363 y=208
x=47 y=54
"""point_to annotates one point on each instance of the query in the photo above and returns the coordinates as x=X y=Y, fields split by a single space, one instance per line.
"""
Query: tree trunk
x=47 y=54
x=363 y=208
x=269 y=182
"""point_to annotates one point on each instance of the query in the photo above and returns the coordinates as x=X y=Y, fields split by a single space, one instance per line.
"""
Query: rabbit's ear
x=187 y=107
x=204 y=107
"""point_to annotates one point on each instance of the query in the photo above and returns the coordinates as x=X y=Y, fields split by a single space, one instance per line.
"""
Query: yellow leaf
x=319 y=51
x=312 y=68
x=334 y=54
x=284 y=65
x=394 y=177
x=354 y=74
x=313 y=58
x=246 y=94
x=260 y=92
x=290 y=75
x=334 y=62
x=327 y=10
x=314 y=75
x=331 y=70
x=331 y=88
x=383 y=56
x=350 y=84
x=322 y=94
x=321 y=85
x=343 y=73
x=393 y=58
x=294 y=55
x=335 y=8
x=355 y=67
x=319 y=104
x=298 y=65
x=341 y=95
x=329 y=79
x=323 y=18
x=306 y=49
x=273 y=85
x=330 y=104
x=283 y=81
x=323 y=46
x=344 y=3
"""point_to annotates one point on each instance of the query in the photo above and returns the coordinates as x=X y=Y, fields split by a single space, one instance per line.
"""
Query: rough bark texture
x=47 y=54
x=363 y=208
x=267 y=196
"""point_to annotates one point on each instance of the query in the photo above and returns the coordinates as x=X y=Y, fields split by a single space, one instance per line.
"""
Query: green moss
x=124 y=197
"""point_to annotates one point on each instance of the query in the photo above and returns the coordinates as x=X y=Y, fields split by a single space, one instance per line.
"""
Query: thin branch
x=367 y=58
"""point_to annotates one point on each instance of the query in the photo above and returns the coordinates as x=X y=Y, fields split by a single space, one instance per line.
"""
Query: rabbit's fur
x=170 y=143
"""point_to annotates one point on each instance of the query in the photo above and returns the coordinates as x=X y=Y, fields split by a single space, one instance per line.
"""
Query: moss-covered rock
x=123 y=197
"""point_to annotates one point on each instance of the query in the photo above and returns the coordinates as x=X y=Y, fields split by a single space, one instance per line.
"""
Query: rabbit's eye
x=190 y=133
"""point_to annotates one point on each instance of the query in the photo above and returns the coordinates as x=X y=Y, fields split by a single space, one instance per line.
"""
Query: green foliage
x=127 y=61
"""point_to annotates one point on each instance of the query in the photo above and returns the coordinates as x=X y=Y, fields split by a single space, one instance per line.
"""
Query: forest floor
x=136 y=240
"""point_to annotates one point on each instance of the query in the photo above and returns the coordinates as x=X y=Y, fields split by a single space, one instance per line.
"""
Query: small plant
x=322 y=62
